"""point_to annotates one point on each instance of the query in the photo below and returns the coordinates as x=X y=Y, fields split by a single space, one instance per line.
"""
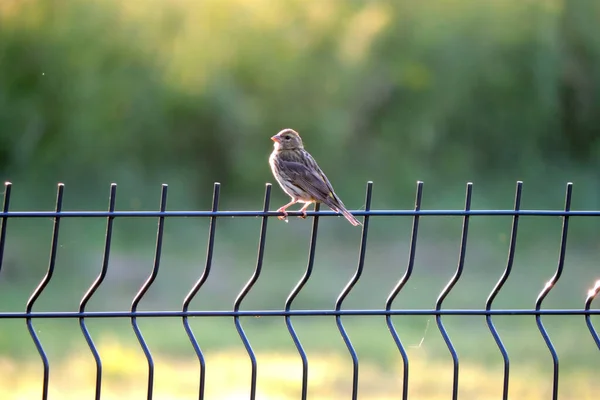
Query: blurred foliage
x=188 y=92
x=278 y=377
x=390 y=91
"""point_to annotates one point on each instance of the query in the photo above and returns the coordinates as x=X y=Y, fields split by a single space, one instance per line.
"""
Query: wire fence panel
x=337 y=313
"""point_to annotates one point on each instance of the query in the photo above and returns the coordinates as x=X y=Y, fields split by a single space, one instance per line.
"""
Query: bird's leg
x=303 y=210
x=282 y=209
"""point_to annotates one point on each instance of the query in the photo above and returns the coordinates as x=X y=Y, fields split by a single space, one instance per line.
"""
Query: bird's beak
x=275 y=139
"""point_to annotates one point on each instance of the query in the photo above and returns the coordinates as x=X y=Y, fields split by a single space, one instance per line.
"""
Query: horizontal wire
x=372 y=213
x=273 y=313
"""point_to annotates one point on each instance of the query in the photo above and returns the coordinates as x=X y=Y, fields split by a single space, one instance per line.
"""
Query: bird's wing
x=311 y=180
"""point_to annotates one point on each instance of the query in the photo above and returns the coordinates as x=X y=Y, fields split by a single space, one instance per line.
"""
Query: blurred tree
x=580 y=80
x=395 y=91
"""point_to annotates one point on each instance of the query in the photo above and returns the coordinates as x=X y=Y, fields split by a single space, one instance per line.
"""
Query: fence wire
x=29 y=315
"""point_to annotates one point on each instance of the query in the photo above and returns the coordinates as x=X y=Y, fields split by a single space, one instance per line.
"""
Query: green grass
x=279 y=376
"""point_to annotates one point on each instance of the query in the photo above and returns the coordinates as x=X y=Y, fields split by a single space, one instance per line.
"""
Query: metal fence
x=29 y=315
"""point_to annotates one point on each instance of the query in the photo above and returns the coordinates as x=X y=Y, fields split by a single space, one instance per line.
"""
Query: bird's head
x=287 y=139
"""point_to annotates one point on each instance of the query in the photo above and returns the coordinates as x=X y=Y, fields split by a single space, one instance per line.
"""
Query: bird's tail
x=336 y=205
x=350 y=217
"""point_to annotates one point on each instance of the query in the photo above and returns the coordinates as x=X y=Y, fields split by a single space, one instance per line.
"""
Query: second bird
x=300 y=177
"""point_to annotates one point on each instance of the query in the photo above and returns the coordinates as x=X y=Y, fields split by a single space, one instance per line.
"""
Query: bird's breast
x=272 y=158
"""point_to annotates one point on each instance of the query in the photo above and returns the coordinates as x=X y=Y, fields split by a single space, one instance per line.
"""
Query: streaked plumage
x=300 y=177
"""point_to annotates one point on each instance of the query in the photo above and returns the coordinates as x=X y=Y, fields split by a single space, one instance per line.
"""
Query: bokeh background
x=188 y=93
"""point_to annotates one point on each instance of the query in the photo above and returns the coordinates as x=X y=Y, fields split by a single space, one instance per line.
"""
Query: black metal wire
x=549 y=285
x=198 y=285
x=288 y=303
x=450 y=285
x=496 y=290
x=90 y=292
x=246 y=289
x=588 y=303
x=308 y=313
x=144 y=289
x=4 y=220
x=254 y=214
x=388 y=304
x=40 y=288
x=348 y=288
x=29 y=315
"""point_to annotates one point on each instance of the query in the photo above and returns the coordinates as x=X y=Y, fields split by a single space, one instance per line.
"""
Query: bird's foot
x=285 y=214
x=303 y=216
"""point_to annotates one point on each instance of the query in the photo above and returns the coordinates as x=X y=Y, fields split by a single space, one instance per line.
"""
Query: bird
x=300 y=177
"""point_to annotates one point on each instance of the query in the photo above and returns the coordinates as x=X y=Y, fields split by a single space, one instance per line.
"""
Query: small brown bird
x=300 y=177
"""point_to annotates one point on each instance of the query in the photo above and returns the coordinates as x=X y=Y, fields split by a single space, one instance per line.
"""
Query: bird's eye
x=287 y=137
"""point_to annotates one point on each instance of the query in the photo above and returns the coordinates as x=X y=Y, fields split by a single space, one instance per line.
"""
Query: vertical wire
x=144 y=289
x=394 y=293
x=294 y=294
x=549 y=285
x=95 y=285
x=4 y=220
x=246 y=289
x=498 y=287
x=348 y=288
x=40 y=288
x=448 y=288
x=198 y=285
x=588 y=303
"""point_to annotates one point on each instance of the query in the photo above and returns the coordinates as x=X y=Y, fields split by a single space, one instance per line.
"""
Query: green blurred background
x=189 y=92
